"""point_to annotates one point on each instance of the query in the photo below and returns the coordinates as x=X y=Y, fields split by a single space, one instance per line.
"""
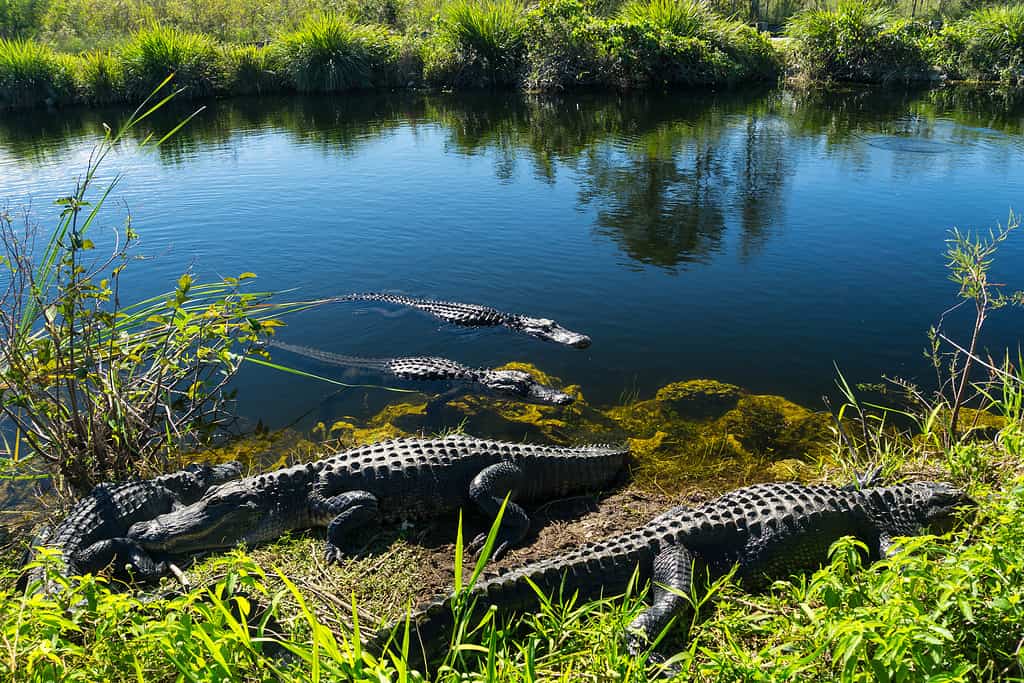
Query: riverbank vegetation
x=75 y=53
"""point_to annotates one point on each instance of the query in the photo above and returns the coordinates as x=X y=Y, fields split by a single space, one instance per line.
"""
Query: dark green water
x=755 y=238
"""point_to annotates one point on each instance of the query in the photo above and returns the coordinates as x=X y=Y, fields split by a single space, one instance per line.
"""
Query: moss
x=773 y=427
x=699 y=397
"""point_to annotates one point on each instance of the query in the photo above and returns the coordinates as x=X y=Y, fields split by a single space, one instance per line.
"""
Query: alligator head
x=519 y=384
x=549 y=330
x=225 y=516
x=939 y=505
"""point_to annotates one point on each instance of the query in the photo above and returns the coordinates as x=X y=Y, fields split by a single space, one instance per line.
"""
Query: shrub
x=987 y=45
x=154 y=53
x=251 y=70
x=32 y=74
x=561 y=51
x=329 y=53
x=853 y=42
x=99 y=78
x=478 y=43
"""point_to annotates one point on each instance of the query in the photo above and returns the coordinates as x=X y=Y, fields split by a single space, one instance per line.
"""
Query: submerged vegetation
x=548 y=45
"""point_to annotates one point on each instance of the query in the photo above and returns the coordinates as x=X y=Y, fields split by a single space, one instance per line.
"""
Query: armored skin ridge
x=475 y=315
x=505 y=383
x=92 y=535
x=410 y=478
x=766 y=531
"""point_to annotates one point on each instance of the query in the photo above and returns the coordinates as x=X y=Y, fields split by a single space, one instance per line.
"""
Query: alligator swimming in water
x=475 y=315
x=388 y=481
x=767 y=530
x=505 y=383
x=92 y=535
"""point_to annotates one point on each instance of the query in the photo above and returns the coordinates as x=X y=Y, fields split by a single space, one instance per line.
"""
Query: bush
x=478 y=43
x=561 y=51
x=99 y=78
x=987 y=45
x=854 y=42
x=154 y=53
x=32 y=74
x=329 y=53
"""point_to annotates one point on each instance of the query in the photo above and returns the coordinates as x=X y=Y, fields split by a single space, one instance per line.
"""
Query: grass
x=329 y=53
x=251 y=70
x=32 y=73
x=154 y=53
x=689 y=18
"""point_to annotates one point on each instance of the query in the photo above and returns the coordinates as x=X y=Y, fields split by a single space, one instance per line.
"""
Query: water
x=755 y=238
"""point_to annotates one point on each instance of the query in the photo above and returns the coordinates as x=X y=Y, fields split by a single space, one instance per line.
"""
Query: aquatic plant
x=329 y=53
x=156 y=52
x=32 y=74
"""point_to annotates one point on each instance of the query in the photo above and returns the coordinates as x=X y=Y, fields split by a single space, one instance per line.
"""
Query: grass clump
x=154 y=53
x=251 y=70
x=329 y=53
x=856 y=41
x=690 y=18
x=477 y=43
x=99 y=78
x=32 y=74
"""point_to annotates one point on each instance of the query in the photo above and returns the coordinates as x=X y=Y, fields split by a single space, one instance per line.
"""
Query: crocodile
x=505 y=383
x=475 y=315
x=409 y=478
x=764 y=531
x=92 y=535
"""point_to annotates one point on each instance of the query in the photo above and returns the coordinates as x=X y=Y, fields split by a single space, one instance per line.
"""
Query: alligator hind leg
x=126 y=557
x=488 y=490
x=353 y=511
x=672 y=579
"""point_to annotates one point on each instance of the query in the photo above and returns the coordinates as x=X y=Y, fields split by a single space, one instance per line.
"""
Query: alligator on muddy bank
x=387 y=481
x=765 y=531
x=515 y=384
x=475 y=315
x=92 y=536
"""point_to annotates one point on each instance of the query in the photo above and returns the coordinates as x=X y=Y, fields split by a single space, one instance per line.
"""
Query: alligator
x=475 y=315
x=92 y=536
x=505 y=383
x=410 y=478
x=764 y=531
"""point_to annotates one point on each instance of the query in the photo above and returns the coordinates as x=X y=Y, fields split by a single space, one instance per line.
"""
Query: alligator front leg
x=351 y=511
x=488 y=490
x=672 y=579
x=125 y=556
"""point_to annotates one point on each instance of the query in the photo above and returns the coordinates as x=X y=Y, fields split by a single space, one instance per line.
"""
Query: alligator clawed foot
x=333 y=554
x=477 y=545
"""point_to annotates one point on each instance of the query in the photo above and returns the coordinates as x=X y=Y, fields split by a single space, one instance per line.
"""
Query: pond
x=757 y=238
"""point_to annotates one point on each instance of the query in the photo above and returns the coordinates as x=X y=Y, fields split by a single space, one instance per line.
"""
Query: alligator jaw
x=196 y=527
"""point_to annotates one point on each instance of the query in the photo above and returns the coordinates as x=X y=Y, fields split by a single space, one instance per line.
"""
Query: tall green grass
x=251 y=70
x=485 y=42
x=329 y=53
x=31 y=74
x=99 y=78
x=154 y=53
x=690 y=18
